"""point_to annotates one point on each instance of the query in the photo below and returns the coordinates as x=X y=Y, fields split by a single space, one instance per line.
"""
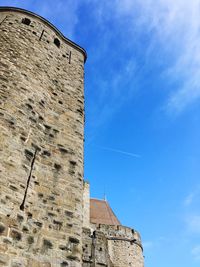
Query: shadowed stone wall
x=41 y=143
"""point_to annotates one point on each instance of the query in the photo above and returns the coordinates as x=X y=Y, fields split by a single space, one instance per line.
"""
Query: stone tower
x=47 y=218
x=41 y=143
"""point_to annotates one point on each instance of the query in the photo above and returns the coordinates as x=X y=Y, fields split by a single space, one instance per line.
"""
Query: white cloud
x=174 y=27
x=193 y=198
x=196 y=252
x=189 y=199
x=64 y=14
x=193 y=223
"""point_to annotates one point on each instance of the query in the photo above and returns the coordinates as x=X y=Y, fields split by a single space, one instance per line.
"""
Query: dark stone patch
x=51 y=198
x=69 y=213
x=57 y=166
x=16 y=235
x=39 y=224
x=51 y=214
x=25 y=229
x=74 y=240
x=64 y=264
x=30 y=240
x=72 y=162
x=72 y=257
x=2 y=228
x=7 y=241
x=29 y=106
x=32 y=119
x=47 y=244
x=29 y=154
x=63 y=150
x=63 y=248
x=47 y=127
x=12 y=187
x=20 y=218
x=30 y=215
x=46 y=153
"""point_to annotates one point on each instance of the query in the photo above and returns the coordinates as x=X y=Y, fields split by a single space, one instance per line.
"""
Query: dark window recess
x=41 y=35
x=57 y=42
x=26 y=21
x=70 y=55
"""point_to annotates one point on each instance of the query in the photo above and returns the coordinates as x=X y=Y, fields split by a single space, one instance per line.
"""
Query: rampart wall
x=112 y=246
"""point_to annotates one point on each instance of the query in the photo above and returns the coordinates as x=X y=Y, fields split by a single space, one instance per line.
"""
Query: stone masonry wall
x=86 y=205
x=112 y=246
x=41 y=144
x=95 y=249
x=124 y=245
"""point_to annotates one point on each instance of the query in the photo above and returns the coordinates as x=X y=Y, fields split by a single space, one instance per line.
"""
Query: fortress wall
x=86 y=205
x=124 y=245
x=112 y=246
x=41 y=144
x=95 y=249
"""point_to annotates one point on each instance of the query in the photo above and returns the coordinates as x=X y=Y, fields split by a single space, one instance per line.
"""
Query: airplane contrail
x=120 y=151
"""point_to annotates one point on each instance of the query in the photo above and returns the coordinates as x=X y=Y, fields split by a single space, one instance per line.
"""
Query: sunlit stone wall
x=41 y=143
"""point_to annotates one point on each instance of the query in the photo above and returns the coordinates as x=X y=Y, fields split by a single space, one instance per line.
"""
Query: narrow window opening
x=70 y=55
x=41 y=35
x=26 y=21
x=57 y=42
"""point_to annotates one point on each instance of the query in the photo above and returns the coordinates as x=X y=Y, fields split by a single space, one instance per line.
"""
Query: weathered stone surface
x=109 y=245
x=41 y=143
x=112 y=246
x=44 y=204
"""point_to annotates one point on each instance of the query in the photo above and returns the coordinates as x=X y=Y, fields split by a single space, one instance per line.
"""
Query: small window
x=26 y=21
x=57 y=42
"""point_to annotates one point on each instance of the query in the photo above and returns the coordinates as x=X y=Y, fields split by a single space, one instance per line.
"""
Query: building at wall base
x=105 y=241
x=44 y=202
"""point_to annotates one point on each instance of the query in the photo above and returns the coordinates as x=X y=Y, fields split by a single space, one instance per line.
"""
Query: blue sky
x=142 y=95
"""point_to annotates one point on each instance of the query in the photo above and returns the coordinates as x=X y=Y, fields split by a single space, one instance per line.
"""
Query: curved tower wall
x=112 y=246
x=41 y=143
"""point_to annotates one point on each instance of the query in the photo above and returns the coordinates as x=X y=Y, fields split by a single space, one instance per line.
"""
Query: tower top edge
x=24 y=11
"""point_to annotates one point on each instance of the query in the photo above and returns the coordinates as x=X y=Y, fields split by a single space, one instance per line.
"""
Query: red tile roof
x=101 y=213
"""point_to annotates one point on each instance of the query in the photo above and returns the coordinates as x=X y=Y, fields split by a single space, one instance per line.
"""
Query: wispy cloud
x=165 y=35
x=120 y=151
x=193 y=198
x=174 y=26
x=189 y=199
x=196 y=252
x=193 y=223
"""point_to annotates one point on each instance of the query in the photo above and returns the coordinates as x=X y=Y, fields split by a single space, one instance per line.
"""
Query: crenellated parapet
x=111 y=245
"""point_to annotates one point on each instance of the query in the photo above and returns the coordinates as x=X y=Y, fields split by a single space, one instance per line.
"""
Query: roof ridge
x=99 y=199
